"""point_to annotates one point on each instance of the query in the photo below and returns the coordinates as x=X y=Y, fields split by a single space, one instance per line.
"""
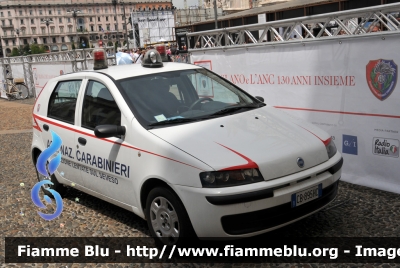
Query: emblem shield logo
x=381 y=77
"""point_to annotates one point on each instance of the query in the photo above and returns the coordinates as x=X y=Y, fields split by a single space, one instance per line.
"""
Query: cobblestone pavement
x=15 y=115
x=357 y=212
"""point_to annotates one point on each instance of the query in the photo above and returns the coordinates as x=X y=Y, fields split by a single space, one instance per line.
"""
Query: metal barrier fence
x=79 y=59
x=343 y=24
x=75 y=61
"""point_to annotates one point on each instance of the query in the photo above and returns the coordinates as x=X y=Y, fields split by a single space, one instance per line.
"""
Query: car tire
x=58 y=187
x=167 y=218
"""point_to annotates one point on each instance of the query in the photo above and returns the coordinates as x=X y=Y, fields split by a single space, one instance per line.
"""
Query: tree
x=26 y=49
x=110 y=44
x=21 y=50
x=42 y=49
x=14 y=52
x=35 y=49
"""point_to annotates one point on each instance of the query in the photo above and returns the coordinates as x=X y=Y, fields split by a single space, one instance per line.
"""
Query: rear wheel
x=167 y=218
x=56 y=185
x=22 y=91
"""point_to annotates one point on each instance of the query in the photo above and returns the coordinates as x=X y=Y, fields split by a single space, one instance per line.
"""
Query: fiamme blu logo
x=46 y=165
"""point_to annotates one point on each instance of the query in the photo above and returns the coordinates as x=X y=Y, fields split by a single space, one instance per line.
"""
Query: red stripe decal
x=36 y=125
x=325 y=142
x=122 y=144
x=250 y=163
x=337 y=112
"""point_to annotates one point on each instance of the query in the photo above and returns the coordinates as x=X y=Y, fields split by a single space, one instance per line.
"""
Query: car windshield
x=183 y=96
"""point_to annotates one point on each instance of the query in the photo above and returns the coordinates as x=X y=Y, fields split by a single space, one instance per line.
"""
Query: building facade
x=60 y=25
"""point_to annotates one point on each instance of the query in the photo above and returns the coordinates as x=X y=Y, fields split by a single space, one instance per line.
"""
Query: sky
x=180 y=3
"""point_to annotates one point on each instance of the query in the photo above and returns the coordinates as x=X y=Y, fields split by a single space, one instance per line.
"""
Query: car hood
x=265 y=137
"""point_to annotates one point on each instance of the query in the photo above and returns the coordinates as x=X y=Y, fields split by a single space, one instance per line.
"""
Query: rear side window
x=62 y=102
x=99 y=107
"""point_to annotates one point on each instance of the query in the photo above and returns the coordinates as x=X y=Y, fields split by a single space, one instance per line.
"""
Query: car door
x=107 y=170
x=61 y=118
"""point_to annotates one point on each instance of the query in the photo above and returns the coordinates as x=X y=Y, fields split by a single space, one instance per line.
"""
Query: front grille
x=271 y=217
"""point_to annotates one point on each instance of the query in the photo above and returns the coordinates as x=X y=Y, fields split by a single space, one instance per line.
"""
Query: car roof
x=124 y=71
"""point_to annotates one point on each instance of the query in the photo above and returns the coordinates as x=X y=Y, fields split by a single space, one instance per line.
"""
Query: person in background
x=127 y=51
x=376 y=28
x=136 y=55
x=141 y=55
x=168 y=50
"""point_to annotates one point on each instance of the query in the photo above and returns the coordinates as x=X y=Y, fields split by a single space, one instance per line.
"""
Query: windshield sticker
x=160 y=118
x=204 y=86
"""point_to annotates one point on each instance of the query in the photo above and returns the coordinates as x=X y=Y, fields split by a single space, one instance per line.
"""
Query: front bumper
x=268 y=218
x=258 y=209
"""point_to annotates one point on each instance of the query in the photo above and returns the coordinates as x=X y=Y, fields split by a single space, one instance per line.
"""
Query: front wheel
x=167 y=218
x=22 y=91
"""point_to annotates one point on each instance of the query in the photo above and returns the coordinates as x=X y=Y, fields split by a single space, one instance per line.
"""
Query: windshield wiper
x=173 y=121
x=235 y=108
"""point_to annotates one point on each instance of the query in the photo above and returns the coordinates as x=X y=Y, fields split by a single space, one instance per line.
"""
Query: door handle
x=82 y=141
x=45 y=127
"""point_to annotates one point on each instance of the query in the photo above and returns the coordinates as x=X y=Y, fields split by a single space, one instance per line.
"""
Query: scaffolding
x=378 y=20
x=152 y=26
x=195 y=14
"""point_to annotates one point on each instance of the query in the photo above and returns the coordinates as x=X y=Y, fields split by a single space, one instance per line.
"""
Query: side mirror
x=260 y=98
x=107 y=131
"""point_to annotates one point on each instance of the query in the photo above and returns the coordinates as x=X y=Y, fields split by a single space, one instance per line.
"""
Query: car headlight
x=331 y=148
x=215 y=179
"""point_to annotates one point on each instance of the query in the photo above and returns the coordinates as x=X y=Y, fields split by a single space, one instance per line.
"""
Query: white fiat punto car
x=184 y=148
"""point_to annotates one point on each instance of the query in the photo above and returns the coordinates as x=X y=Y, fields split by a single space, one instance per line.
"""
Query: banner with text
x=153 y=26
x=43 y=72
x=348 y=88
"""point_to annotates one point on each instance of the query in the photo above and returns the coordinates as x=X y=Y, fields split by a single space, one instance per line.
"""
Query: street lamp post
x=126 y=27
x=216 y=14
x=47 y=22
x=114 y=3
x=17 y=31
x=75 y=13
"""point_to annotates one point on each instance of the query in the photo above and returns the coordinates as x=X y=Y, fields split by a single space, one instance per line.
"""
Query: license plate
x=305 y=196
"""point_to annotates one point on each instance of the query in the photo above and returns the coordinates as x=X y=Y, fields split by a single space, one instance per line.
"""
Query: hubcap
x=164 y=220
